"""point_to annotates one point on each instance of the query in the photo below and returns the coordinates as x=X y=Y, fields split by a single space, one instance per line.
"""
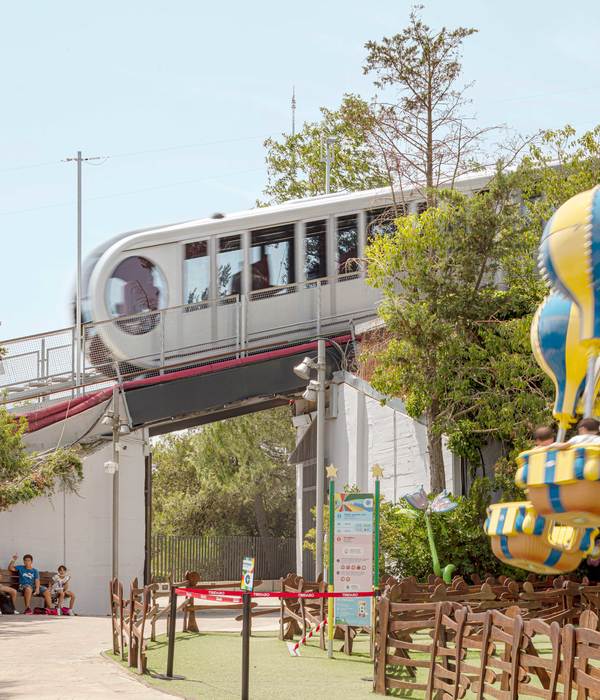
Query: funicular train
x=278 y=273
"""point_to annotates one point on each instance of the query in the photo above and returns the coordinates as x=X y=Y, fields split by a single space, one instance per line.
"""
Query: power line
x=130 y=192
x=131 y=154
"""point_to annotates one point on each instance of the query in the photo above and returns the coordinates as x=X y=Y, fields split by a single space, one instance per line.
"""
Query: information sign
x=353 y=557
x=247 y=574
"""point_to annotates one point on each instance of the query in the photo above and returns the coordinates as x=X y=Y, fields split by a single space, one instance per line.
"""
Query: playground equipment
x=552 y=531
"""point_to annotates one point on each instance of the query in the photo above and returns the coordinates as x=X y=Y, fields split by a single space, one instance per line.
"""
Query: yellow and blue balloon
x=559 y=352
x=570 y=258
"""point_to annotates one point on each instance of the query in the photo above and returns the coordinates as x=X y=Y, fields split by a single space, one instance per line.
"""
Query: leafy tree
x=459 y=284
x=230 y=477
x=418 y=127
x=25 y=476
x=295 y=164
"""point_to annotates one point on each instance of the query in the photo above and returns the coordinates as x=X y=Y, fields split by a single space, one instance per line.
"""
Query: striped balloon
x=570 y=258
x=559 y=352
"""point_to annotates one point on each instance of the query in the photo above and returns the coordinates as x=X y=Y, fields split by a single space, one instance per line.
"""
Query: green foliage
x=227 y=478
x=460 y=285
x=295 y=164
x=459 y=537
x=25 y=476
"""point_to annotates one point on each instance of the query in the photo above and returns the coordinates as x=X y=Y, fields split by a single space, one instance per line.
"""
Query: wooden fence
x=220 y=558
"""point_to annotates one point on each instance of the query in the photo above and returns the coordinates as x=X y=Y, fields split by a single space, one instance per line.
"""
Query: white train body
x=263 y=276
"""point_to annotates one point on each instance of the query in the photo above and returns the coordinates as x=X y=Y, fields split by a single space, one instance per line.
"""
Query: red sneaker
x=51 y=611
x=28 y=611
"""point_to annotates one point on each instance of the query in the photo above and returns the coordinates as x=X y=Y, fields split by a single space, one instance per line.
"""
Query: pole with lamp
x=316 y=389
x=111 y=467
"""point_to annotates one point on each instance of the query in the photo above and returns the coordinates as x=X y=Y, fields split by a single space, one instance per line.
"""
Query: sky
x=177 y=96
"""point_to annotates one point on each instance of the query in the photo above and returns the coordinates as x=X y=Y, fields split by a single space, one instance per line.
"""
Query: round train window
x=136 y=286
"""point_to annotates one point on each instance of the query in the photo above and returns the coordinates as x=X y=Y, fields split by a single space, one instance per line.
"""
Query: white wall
x=75 y=529
x=365 y=432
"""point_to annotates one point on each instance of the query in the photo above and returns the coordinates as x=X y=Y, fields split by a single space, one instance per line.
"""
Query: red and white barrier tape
x=236 y=596
x=294 y=648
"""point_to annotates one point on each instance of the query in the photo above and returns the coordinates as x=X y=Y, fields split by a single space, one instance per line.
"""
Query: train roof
x=306 y=208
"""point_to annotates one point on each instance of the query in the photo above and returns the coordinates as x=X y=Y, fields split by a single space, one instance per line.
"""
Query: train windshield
x=135 y=286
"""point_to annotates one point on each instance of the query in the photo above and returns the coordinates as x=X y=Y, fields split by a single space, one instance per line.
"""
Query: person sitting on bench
x=10 y=592
x=29 y=582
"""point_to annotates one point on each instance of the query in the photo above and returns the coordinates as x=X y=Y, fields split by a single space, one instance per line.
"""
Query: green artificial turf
x=212 y=665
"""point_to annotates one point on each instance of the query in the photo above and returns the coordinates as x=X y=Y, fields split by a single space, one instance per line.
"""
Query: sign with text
x=247 y=574
x=353 y=557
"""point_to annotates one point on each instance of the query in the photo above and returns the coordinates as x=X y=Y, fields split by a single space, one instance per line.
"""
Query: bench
x=10 y=578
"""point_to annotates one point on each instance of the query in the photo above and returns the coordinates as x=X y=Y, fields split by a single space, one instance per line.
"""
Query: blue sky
x=180 y=95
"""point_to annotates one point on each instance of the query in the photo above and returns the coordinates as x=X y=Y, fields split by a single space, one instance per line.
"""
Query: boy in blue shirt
x=29 y=582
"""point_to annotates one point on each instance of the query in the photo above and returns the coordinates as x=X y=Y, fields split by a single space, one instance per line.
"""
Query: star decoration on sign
x=331 y=472
x=377 y=471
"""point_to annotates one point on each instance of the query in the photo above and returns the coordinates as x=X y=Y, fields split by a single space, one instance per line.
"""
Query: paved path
x=59 y=658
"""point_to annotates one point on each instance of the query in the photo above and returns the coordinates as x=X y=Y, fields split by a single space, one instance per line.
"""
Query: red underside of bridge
x=72 y=407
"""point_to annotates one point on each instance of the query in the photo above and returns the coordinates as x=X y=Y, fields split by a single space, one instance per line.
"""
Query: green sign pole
x=377 y=473
x=331 y=474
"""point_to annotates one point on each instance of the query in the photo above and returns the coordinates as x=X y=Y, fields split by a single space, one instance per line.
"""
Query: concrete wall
x=76 y=529
x=363 y=432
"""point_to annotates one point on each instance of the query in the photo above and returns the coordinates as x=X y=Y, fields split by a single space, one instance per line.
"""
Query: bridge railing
x=40 y=367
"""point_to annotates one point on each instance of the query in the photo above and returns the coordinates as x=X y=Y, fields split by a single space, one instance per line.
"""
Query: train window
x=135 y=286
x=381 y=222
x=347 y=243
x=230 y=260
x=272 y=257
x=196 y=272
x=315 y=261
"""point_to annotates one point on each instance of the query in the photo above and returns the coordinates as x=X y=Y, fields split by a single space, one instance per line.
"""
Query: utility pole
x=329 y=141
x=293 y=110
x=77 y=339
x=320 y=490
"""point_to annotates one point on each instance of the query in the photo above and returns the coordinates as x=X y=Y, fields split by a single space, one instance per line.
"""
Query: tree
x=459 y=284
x=25 y=476
x=230 y=477
x=295 y=164
x=460 y=287
x=418 y=127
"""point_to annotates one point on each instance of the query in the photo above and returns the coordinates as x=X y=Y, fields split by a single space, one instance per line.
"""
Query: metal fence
x=220 y=558
x=43 y=367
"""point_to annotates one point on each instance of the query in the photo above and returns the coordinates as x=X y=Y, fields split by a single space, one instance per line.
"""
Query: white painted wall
x=76 y=529
x=365 y=432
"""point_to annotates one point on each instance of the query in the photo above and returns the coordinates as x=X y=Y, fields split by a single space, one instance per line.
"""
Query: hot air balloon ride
x=521 y=537
x=556 y=527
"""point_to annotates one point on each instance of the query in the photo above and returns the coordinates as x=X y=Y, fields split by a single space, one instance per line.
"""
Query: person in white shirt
x=588 y=432
x=60 y=590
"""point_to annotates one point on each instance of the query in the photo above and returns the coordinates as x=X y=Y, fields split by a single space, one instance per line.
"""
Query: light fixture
x=303 y=369
x=110 y=467
x=311 y=391
x=124 y=429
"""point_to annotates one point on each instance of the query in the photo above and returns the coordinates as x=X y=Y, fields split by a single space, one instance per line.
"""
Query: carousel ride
x=557 y=527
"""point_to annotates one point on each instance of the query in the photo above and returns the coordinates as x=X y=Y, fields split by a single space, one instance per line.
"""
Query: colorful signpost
x=353 y=556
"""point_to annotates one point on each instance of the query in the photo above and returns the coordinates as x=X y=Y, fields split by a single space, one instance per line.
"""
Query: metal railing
x=42 y=367
x=218 y=558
